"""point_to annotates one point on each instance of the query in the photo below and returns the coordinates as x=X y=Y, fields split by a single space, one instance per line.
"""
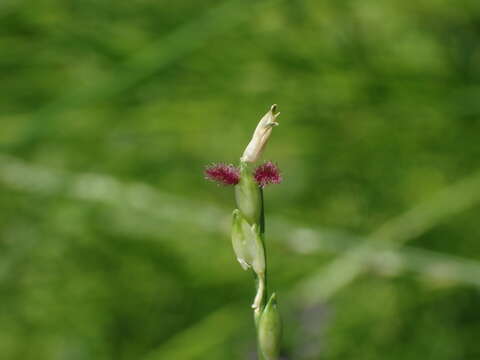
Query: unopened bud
x=247 y=244
x=247 y=195
x=270 y=330
x=260 y=136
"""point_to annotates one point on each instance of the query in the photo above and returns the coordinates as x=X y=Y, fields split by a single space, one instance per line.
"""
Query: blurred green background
x=113 y=246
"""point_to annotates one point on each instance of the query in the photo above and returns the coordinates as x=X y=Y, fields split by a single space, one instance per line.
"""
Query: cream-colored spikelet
x=260 y=136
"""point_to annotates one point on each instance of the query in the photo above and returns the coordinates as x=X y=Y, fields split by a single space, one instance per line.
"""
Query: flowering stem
x=248 y=229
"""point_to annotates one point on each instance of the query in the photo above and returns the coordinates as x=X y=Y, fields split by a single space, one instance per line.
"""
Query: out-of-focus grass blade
x=214 y=329
x=393 y=234
x=154 y=205
x=142 y=64
x=19 y=176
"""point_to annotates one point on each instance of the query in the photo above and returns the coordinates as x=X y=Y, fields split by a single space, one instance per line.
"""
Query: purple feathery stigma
x=222 y=174
x=267 y=173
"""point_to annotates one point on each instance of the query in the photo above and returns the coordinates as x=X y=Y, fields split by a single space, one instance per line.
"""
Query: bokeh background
x=113 y=246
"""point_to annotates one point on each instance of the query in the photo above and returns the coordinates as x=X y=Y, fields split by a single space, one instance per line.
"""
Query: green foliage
x=114 y=247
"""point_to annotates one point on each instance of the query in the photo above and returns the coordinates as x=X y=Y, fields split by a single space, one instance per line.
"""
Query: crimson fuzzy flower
x=267 y=173
x=223 y=174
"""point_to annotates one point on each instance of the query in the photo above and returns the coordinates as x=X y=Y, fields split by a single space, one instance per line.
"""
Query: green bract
x=270 y=330
x=247 y=244
x=247 y=195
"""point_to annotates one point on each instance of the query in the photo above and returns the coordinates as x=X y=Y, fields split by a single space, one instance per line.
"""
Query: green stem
x=259 y=281
x=262 y=237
